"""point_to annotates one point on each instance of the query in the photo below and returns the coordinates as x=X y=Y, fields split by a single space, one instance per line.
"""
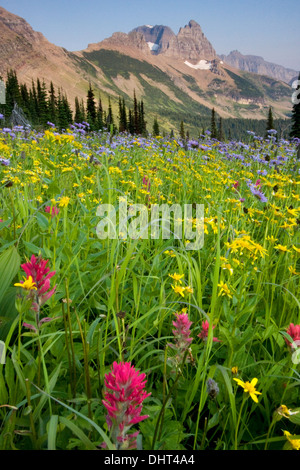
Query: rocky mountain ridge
x=257 y=64
x=189 y=44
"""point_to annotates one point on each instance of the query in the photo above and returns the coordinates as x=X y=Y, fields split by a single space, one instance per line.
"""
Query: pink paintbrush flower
x=54 y=211
x=204 y=333
x=37 y=269
x=294 y=332
x=182 y=336
x=146 y=183
x=123 y=401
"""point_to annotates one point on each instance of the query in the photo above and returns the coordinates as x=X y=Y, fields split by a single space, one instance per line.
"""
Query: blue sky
x=269 y=28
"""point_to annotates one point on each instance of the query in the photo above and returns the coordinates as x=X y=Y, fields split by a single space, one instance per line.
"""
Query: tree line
x=42 y=105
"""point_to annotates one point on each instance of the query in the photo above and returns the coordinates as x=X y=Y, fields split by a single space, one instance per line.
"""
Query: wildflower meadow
x=137 y=342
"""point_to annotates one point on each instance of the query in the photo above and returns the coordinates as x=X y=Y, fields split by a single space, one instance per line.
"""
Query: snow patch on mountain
x=201 y=65
x=152 y=46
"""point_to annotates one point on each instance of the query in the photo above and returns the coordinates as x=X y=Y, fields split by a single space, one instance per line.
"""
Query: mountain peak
x=194 y=24
x=191 y=44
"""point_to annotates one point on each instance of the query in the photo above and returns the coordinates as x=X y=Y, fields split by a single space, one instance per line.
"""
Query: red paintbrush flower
x=54 y=211
x=123 y=401
x=204 y=333
x=294 y=332
x=41 y=275
x=181 y=335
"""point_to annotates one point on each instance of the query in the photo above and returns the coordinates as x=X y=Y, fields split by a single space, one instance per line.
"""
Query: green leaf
x=8 y=312
x=42 y=221
x=52 y=431
x=78 y=432
x=9 y=266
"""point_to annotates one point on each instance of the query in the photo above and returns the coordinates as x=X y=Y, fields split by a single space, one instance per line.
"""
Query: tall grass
x=114 y=299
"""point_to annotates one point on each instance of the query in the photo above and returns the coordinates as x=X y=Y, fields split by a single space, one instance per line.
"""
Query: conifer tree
x=42 y=102
x=78 y=118
x=67 y=110
x=12 y=92
x=64 y=111
x=295 y=129
x=142 y=122
x=91 y=108
x=99 y=114
x=109 y=117
x=33 y=105
x=270 y=122
x=213 y=126
x=122 y=116
x=155 y=130
x=82 y=110
x=130 y=122
x=25 y=100
x=135 y=115
x=52 y=105
x=182 y=131
x=220 y=130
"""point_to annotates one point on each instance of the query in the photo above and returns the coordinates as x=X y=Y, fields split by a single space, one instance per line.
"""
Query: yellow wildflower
x=64 y=201
x=189 y=290
x=177 y=277
x=282 y=248
x=224 y=289
x=295 y=443
x=179 y=290
x=249 y=387
x=27 y=284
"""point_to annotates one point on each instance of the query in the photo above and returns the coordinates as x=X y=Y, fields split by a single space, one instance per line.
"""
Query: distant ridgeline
x=41 y=106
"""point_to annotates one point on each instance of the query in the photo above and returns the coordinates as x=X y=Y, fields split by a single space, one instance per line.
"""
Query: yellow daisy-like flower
x=170 y=253
x=64 y=201
x=271 y=239
x=179 y=290
x=295 y=443
x=224 y=289
x=282 y=248
x=293 y=271
x=249 y=387
x=177 y=277
x=234 y=370
x=28 y=284
x=296 y=249
x=189 y=290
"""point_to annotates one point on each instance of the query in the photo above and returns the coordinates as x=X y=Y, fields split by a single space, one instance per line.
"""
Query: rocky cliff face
x=134 y=39
x=157 y=37
x=256 y=64
x=21 y=46
x=189 y=44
